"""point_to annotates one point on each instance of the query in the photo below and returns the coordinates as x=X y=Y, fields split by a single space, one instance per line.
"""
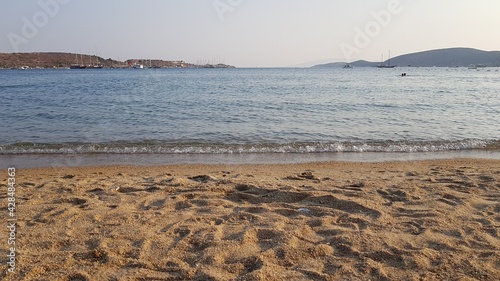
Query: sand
x=420 y=220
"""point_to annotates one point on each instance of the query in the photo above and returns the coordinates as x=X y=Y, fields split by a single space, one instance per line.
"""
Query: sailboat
x=94 y=66
x=388 y=65
x=77 y=65
x=82 y=66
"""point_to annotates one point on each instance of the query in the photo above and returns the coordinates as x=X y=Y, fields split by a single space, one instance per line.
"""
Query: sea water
x=277 y=112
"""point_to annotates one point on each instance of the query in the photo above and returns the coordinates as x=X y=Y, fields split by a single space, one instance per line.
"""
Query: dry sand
x=425 y=220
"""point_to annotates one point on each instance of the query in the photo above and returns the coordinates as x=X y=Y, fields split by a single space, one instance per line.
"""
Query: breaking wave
x=158 y=147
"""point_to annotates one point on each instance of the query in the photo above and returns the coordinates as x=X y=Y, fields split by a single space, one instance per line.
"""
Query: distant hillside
x=359 y=63
x=449 y=57
x=65 y=60
x=51 y=60
x=440 y=58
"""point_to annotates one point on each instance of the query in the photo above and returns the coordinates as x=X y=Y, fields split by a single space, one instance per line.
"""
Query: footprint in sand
x=78 y=277
x=451 y=200
x=393 y=195
x=203 y=178
x=153 y=204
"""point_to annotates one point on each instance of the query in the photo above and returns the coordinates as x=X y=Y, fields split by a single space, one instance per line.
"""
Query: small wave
x=200 y=148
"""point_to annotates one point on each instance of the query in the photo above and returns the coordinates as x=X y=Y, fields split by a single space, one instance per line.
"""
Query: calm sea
x=175 y=112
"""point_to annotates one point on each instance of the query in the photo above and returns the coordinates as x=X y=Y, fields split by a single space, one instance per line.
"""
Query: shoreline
x=412 y=220
x=266 y=168
x=101 y=159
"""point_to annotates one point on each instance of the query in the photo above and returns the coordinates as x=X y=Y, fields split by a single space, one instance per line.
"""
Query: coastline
x=404 y=220
x=151 y=159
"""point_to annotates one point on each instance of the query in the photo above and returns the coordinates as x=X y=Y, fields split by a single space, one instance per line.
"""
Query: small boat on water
x=138 y=66
x=388 y=65
x=477 y=66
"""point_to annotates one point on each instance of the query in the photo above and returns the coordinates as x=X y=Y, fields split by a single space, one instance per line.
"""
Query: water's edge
x=79 y=160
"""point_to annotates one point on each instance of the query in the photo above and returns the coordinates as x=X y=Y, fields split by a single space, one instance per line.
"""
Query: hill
x=51 y=60
x=441 y=58
x=359 y=63
x=65 y=60
x=449 y=57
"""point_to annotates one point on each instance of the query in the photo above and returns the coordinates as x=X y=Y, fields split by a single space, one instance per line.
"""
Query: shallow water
x=240 y=111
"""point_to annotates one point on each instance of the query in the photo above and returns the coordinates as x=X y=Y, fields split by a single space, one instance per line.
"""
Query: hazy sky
x=248 y=32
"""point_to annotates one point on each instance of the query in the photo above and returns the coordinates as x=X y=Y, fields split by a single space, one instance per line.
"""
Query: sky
x=248 y=33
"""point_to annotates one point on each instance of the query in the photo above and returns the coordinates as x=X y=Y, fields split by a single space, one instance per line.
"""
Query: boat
x=477 y=66
x=78 y=65
x=82 y=66
x=388 y=65
x=94 y=67
x=138 y=66
x=347 y=66
x=75 y=66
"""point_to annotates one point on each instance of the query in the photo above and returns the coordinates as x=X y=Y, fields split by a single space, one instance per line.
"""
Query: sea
x=66 y=117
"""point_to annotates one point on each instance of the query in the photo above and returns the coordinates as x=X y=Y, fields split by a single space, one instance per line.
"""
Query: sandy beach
x=415 y=220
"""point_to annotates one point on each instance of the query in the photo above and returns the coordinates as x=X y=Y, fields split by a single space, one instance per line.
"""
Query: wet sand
x=414 y=220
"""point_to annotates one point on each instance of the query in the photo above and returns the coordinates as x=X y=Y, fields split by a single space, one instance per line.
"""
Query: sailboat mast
x=96 y=57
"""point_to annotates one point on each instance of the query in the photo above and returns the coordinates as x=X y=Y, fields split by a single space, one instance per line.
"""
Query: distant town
x=49 y=60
